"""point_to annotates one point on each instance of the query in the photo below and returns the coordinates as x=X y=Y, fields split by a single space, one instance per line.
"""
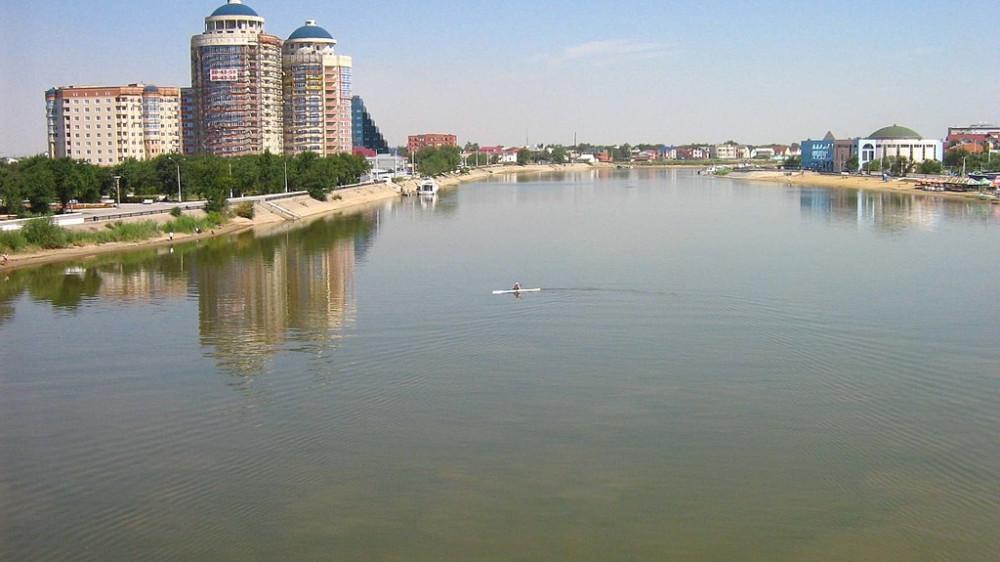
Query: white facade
x=916 y=150
x=104 y=125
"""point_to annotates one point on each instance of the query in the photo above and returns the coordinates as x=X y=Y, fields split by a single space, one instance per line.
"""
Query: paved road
x=108 y=213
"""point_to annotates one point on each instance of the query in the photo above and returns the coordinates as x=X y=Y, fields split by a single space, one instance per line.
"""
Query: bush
x=244 y=210
x=317 y=193
x=12 y=241
x=45 y=234
x=215 y=218
x=175 y=212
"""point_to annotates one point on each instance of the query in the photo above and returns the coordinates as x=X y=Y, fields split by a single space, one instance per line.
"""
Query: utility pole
x=176 y=163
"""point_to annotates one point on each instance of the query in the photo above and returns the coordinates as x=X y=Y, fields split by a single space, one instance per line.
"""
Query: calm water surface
x=714 y=370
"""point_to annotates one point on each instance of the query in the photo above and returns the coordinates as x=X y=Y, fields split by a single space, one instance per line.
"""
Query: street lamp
x=118 y=191
x=176 y=163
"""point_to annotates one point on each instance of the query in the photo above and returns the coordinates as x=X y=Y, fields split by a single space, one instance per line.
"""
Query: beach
x=852 y=181
x=346 y=200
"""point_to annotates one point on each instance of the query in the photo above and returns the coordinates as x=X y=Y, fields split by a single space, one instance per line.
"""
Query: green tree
x=851 y=164
x=559 y=155
x=166 y=169
x=954 y=158
x=40 y=184
x=930 y=167
x=432 y=161
x=13 y=187
x=899 y=166
x=145 y=177
x=523 y=157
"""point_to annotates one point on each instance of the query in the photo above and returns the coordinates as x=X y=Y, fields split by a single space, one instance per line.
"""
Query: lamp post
x=118 y=191
x=178 y=164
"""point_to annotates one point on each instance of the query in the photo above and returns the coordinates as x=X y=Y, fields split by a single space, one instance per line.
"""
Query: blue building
x=818 y=155
x=365 y=131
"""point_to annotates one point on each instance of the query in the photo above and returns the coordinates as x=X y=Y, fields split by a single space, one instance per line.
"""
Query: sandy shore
x=868 y=183
x=342 y=201
x=480 y=174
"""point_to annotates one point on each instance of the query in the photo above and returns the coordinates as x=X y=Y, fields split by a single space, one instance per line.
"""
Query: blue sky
x=606 y=72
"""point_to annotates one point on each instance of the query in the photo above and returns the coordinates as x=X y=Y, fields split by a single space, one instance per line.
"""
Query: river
x=713 y=370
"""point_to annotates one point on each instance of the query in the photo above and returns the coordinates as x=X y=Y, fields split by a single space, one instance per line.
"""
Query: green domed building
x=896 y=141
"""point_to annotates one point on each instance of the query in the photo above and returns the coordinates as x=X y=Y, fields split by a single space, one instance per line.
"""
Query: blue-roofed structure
x=234 y=8
x=310 y=31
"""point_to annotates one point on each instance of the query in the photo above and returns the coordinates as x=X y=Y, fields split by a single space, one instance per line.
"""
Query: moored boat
x=427 y=187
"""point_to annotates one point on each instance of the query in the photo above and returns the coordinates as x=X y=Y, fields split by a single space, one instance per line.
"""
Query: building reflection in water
x=279 y=294
x=257 y=294
x=887 y=211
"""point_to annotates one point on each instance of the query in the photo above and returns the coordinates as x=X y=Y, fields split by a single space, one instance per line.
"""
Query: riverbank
x=868 y=183
x=340 y=201
x=302 y=206
x=481 y=174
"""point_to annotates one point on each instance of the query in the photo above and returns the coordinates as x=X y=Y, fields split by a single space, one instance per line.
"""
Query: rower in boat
x=517 y=287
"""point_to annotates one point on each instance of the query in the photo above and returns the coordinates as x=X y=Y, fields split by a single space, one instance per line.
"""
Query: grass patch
x=125 y=232
x=189 y=224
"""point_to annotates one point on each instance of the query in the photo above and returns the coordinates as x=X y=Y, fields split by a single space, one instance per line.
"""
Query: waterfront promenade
x=276 y=210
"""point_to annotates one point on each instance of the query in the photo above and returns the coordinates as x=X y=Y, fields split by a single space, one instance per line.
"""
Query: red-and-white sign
x=224 y=74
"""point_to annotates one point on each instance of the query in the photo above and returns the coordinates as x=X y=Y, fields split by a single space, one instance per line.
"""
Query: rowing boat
x=505 y=291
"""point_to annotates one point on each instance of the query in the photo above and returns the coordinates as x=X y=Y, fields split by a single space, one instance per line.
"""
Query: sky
x=531 y=72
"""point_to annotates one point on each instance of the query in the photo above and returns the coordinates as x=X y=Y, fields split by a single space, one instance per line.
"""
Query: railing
x=69 y=219
x=118 y=216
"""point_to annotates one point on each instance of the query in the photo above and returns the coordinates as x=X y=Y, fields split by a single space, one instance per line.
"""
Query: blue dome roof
x=310 y=31
x=151 y=89
x=234 y=9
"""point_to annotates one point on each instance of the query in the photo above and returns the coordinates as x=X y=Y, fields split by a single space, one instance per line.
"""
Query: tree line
x=34 y=186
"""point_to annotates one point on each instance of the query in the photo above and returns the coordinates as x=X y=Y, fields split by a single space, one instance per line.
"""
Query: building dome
x=234 y=8
x=895 y=132
x=310 y=31
x=151 y=89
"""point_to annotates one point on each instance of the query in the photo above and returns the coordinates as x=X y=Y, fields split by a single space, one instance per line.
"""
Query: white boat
x=427 y=187
x=506 y=291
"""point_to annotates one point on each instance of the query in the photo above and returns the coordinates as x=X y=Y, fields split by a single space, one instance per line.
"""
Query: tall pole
x=178 y=164
x=118 y=192
x=286 y=175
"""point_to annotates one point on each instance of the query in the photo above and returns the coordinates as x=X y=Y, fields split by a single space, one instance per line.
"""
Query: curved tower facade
x=317 y=93
x=236 y=84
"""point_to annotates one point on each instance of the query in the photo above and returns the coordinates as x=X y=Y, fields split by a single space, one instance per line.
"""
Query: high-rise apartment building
x=236 y=84
x=317 y=93
x=105 y=125
x=248 y=95
x=366 y=132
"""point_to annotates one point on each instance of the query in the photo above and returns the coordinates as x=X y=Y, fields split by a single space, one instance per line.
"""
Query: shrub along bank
x=43 y=234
